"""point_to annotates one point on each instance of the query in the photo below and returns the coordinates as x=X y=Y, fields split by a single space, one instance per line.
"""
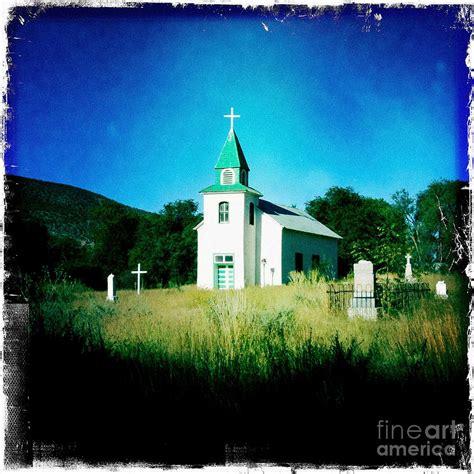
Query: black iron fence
x=401 y=295
x=340 y=295
x=388 y=296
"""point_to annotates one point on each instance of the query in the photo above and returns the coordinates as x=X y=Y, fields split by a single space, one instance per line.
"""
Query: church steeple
x=231 y=169
x=232 y=155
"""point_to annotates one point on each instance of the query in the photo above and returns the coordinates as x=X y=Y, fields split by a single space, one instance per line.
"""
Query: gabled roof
x=197 y=226
x=228 y=188
x=232 y=155
x=295 y=219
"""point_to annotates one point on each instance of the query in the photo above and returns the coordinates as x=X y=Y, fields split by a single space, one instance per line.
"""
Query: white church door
x=224 y=271
x=225 y=277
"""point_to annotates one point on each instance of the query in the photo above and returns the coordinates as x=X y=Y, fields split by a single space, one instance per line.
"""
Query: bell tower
x=227 y=235
x=231 y=167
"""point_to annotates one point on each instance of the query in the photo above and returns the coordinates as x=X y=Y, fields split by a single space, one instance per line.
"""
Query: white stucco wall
x=308 y=245
x=268 y=248
x=250 y=239
x=222 y=238
x=249 y=244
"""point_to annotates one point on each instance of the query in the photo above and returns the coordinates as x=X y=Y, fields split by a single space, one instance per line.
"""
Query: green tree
x=441 y=218
x=406 y=205
x=391 y=245
x=114 y=233
x=66 y=253
x=372 y=229
x=333 y=209
x=26 y=253
x=74 y=258
x=166 y=245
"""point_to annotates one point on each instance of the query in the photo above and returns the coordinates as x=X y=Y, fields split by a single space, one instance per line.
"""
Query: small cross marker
x=232 y=117
x=139 y=272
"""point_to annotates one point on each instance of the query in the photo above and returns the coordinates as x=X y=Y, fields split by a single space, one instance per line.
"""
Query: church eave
x=196 y=227
x=229 y=188
x=319 y=234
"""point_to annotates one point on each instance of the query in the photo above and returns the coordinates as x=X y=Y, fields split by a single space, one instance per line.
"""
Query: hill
x=63 y=209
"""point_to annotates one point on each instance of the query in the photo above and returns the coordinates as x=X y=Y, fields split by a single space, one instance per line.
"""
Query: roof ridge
x=306 y=214
x=299 y=221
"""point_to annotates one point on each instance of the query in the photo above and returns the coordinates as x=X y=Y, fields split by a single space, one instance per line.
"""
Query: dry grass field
x=209 y=328
x=191 y=361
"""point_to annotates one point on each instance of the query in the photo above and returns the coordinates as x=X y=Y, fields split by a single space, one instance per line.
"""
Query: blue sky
x=129 y=103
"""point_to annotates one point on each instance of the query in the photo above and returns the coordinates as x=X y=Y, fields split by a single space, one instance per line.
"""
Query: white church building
x=244 y=240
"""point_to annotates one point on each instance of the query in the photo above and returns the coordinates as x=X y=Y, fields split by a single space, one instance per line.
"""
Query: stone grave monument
x=441 y=289
x=363 y=300
x=408 y=270
x=111 y=295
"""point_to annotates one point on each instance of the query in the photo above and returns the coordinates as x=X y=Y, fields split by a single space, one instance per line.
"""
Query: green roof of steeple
x=232 y=155
x=230 y=188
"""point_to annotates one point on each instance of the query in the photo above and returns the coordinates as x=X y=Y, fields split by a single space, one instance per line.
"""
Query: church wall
x=269 y=247
x=250 y=240
x=205 y=276
x=308 y=245
x=219 y=238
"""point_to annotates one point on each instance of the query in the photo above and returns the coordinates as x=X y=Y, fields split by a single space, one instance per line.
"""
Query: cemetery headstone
x=441 y=289
x=363 y=300
x=111 y=296
x=408 y=270
x=138 y=272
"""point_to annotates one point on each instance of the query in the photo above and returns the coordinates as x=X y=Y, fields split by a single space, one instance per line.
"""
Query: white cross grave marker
x=232 y=117
x=138 y=272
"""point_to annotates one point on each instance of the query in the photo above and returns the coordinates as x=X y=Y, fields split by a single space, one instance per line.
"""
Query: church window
x=251 y=213
x=298 y=262
x=315 y=261
x=243 y=177
x=223 y=212
x=227 y=176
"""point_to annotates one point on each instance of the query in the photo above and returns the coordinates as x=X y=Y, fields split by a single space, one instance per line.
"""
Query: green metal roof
x=229 y=188
x=232 y=155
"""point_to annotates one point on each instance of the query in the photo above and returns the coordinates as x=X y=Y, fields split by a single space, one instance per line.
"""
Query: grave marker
x=441 y=289
x=363 y=301
x=408 y=269
x=111 y=296
x=138 y=272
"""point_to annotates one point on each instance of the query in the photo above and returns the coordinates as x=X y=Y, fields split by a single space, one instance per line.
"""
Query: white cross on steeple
x=232 y=117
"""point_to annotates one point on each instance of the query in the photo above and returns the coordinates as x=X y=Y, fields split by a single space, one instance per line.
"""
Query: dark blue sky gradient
x=129 y=103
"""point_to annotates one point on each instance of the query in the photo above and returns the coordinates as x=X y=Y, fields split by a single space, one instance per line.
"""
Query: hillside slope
x=65 y=210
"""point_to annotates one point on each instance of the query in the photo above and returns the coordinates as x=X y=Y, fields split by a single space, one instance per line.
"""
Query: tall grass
x=224 y=359
x=62 y=307
x=248 y=331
